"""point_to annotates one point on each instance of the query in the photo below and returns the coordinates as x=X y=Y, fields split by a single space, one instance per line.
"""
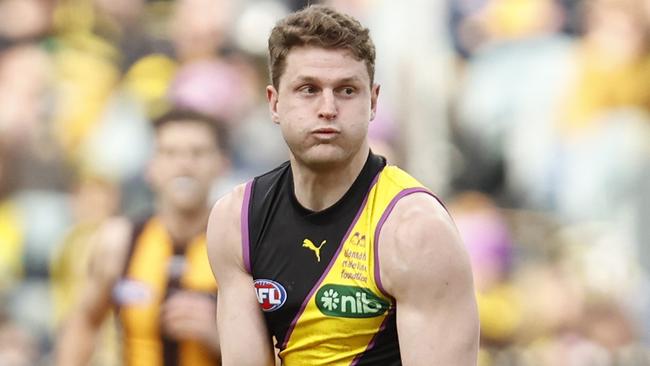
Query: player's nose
x=327 y=108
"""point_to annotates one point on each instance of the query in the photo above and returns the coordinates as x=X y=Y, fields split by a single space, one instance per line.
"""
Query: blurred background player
x=155 y=272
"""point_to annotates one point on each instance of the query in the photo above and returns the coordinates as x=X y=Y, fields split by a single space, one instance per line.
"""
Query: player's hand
x=190 y=316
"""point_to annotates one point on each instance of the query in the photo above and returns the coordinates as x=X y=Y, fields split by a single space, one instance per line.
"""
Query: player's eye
x=307 y=89
x=348 y=91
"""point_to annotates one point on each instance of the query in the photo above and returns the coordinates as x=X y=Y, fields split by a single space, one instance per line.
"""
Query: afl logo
x=270 y=294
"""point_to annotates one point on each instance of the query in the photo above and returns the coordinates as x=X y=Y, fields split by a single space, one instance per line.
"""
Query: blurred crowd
x=531 y=118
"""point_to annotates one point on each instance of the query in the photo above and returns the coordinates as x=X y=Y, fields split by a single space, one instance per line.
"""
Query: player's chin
x=325 y=156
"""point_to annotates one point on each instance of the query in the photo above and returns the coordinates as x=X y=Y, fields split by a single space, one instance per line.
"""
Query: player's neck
x=183 y=226
x=317 y=190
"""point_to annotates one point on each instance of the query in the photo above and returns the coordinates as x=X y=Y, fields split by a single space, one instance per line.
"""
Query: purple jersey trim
x=245 y=240
x=381 y=223
x=329 y=266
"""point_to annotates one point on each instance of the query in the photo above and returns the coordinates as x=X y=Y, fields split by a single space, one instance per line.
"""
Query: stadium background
x=529 y=117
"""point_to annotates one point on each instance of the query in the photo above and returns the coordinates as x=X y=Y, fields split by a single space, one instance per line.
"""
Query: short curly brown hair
x=321 y=26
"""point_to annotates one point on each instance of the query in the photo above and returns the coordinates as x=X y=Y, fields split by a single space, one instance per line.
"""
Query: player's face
x=323 y=105
x=185 y=164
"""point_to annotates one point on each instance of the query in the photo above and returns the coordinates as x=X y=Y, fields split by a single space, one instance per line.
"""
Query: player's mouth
x=185 y=183
x=325 y=133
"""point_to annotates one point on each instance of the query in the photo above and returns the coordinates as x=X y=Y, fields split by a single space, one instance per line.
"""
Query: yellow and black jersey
x=154 y=269
x=316 y=274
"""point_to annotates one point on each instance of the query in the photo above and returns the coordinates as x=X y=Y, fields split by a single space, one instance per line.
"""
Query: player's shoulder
x=414 y=204
x=421 y=211
x=420 y=235
x=224 y=232
x=418 y=224
x=224 y=224
x=231 y=203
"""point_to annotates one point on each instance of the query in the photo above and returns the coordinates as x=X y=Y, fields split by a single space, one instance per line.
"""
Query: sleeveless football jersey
x=153 y=271
x=316 y=274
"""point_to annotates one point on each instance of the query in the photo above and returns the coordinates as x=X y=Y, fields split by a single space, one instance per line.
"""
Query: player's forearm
x=247 y=360
x=76 y=343
x=234 y=354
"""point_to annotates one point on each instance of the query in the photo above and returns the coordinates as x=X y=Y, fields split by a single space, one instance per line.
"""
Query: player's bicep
x=239 y=318
x=427 y=270
x=244 y=336
x=224 y=239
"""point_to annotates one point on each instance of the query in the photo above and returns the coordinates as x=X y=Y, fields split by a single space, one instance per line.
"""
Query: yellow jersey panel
x=349 y=308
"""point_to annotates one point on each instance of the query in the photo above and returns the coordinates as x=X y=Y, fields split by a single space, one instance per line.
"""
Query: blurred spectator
x=613 y=62
x=24 y=20
x=17 y=346
x=521 y=107
x=479 y=24
x=26 y=101
x=605 y=323
x=199 y=28
x=11 y=228
x=216 y=78
x=604 y=127
x=507 y=102
x=223 y=75
x=147 y=81
x=94 y=200
x=86 y=78
x=209 y=79
x=129 y=26
x=487 y=238
x=26 y=73
x=250 y=32
x=215 y=87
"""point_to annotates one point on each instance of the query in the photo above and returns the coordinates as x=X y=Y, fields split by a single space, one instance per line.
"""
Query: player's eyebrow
x=313 y=80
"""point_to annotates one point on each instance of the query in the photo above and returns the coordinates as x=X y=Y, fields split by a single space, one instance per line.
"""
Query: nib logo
x=330 y=300
x=349 y=302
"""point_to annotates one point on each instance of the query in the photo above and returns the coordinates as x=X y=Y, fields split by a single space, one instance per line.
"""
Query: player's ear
x=374 y=95
x=272 y=98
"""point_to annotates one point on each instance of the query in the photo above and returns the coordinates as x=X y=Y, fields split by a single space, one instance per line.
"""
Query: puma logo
x=316 y=249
